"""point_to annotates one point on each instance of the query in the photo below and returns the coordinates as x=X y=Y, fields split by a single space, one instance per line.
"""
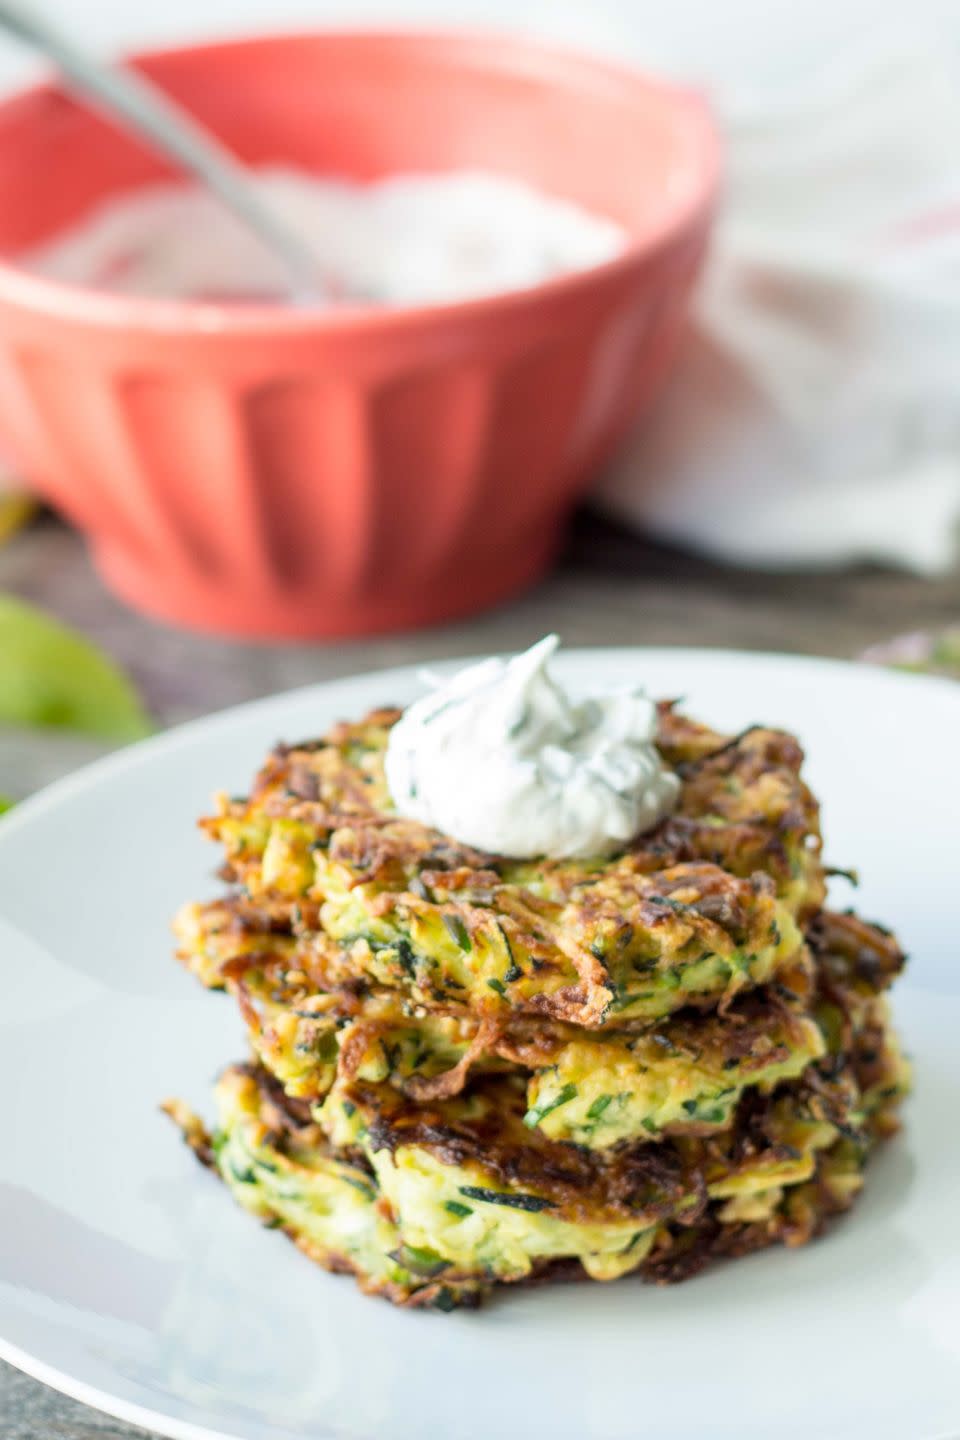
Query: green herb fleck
x=514 y=1199
x=457 y=931
x=363 y=1186
x=455 y=1208
x=510 y=955
x=420 y=1260
x=623 y=999
x=327 y=1047
x=598 y=1106
x=534 y=1116
x=406 y=957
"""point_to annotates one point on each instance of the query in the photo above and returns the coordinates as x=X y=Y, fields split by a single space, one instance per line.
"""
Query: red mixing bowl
x=270 y=471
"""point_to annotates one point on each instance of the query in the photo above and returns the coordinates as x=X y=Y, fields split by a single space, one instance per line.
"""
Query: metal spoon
x=126 y=96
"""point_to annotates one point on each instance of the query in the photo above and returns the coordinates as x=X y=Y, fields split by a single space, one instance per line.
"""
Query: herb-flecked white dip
x=501 y=758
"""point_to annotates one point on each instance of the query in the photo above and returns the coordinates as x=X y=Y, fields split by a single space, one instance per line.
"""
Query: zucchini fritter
x=687 y=1073
x=472 y=1070
x=701 y=907
x=432 y=1206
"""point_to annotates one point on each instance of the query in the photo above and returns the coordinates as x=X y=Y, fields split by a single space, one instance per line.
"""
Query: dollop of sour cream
x=501 y=758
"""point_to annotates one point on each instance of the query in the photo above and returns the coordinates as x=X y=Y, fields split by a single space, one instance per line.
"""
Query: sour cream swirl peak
x=501 y=758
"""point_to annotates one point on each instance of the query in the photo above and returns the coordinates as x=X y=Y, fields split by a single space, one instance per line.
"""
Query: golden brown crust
x=682 y=1248
x=643 y=1183
x=746 y=828
x=352 y=931
x=853 y=953
x=500 y=1038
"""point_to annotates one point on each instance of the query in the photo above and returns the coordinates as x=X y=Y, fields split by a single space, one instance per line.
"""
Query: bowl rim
x=112 y=312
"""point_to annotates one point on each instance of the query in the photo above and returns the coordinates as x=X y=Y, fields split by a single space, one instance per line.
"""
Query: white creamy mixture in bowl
x=405 y=240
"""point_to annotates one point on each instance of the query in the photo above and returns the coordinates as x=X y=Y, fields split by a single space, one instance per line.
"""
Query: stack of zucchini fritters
x=469 y=1069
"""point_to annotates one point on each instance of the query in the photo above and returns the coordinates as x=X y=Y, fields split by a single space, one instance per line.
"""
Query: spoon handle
x=125 y=95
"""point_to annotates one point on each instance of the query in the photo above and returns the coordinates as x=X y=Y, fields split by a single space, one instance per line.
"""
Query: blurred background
x=744 y=48
x=793 y=484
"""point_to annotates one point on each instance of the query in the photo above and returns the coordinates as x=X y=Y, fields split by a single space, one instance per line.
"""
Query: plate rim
x=130 y=755
x=105 y=1403
x=86 y=776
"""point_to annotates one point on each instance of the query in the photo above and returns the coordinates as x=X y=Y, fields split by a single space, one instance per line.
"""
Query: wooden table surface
x=610 y=589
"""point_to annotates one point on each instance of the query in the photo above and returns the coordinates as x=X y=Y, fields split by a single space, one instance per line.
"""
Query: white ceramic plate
x=129 y=1279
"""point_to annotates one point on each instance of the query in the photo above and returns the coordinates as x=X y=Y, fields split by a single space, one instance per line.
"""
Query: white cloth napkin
x=814 y=417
